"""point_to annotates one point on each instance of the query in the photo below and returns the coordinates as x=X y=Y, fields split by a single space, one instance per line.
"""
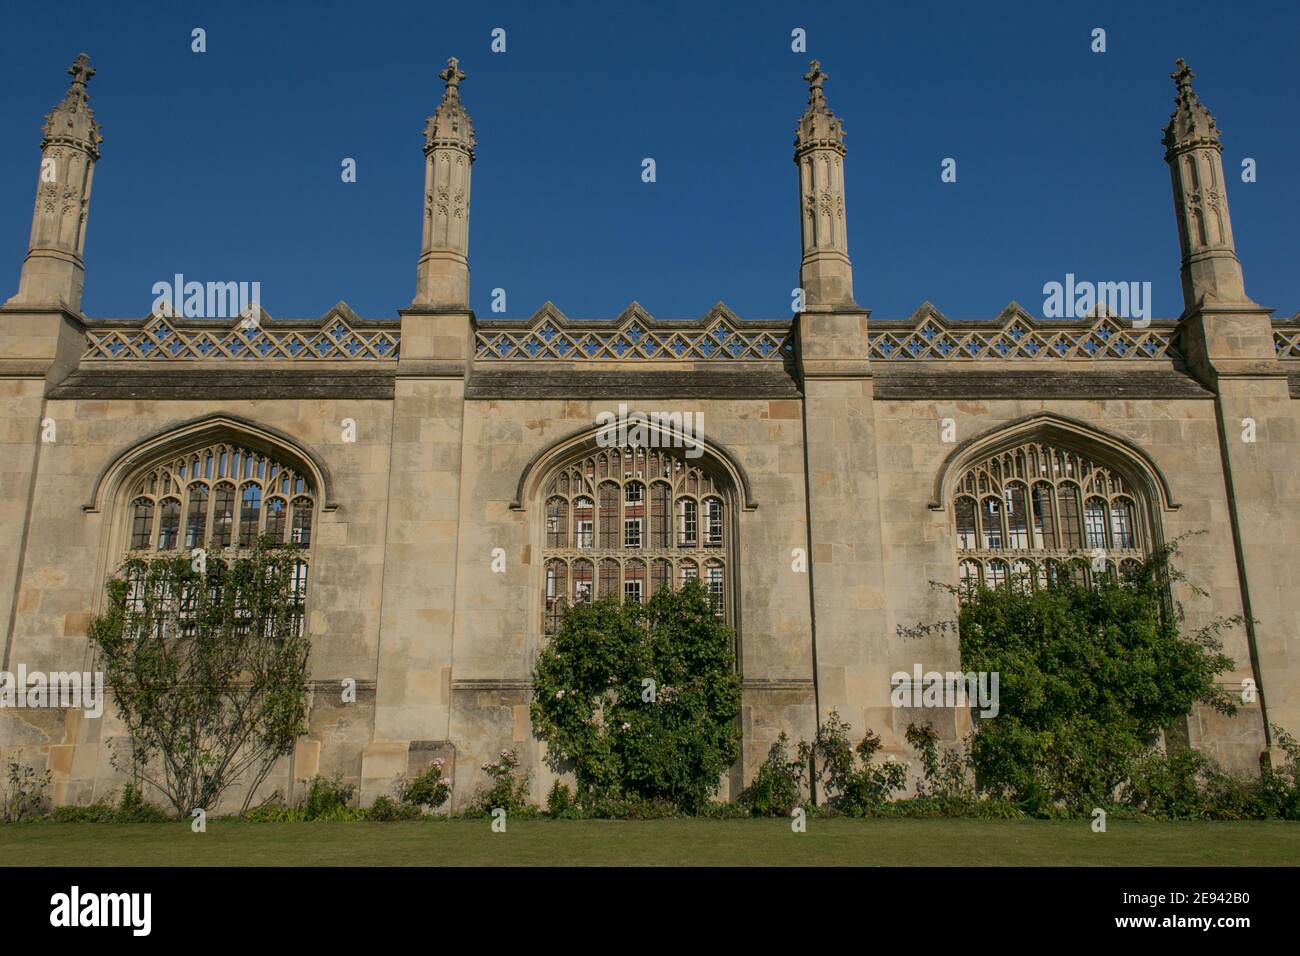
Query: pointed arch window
x=1122 y=524
x=714 y=584
x=608 y=585
x=713 y=522
x=640 y=520
x=223 y=515
x=634 y=581
x=1094 y=522
x=661 y=509
x=300 y=530
x=557 y=523
x=557 y=581
x=689 y=570
x=1039 y=513
x=1017 y=511
x=141 y=523
x=1043 y=504
x=991 y=522
x=965 y=512
x=582 y=578
x=584 y=523
x=223 y=496
x=661 y=575
x=277 y=512
x=169 y=523
x=196 y=516
x=250 y=507
x=608 y=516
x=688 y=522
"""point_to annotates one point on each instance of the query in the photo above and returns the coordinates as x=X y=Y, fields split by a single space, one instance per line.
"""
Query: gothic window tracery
x=626 y=523
x=1037 y=512
x=223 y=496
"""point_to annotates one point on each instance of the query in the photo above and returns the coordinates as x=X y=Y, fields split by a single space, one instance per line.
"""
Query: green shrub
x=328 y=799
x=928 y=808
x=626 y=808
x=854 y=785
x=561 y=804
x=207 y=662
x=1169 y=786
x=559 y=801
x=779 y=784
x=1187 y=785
x=946 y=774
x=25 y=797
x=508 y=789
x=386 y=809
x=133 y=808
x=1088 y=677
x=430 y=789
x=1279 y=790
x=336 y=814
x=99 y=812
x=641 y=700
x=275 y=811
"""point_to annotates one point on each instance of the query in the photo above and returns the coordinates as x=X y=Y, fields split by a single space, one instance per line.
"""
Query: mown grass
x=673 y=842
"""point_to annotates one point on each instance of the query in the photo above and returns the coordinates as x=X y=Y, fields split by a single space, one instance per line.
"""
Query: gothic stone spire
x=1190 y=124
x=53 y=272
x=1211 y=272
x=450 y=124
x=825 y=274
x=442 y=274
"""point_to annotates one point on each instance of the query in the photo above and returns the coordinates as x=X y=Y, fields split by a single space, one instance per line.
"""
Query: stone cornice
x=938 y=380
x=702 y=381
x=318 y=380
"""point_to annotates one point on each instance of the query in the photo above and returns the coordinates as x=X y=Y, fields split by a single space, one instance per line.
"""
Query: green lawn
x=655 y=843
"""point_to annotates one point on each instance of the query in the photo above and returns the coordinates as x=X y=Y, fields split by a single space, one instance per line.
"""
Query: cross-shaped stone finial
x=816 y=78
x=81 y=70
x=1183 y=76
x=452 y=75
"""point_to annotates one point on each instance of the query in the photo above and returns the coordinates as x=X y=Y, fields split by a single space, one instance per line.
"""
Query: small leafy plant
x=508 y=789
x=779 y=784
x=854 y=783
x=25 y=797
x=430 y=789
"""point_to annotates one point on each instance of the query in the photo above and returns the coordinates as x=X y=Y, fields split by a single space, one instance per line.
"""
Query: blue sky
x=226 y=165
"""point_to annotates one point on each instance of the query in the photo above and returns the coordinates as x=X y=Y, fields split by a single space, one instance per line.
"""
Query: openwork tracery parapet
x=633 y=337
x=1286 y=337
x=1018 y=336
x=339 y=335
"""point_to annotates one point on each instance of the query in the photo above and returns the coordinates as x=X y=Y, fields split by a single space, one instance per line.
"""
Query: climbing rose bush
x=641 y=701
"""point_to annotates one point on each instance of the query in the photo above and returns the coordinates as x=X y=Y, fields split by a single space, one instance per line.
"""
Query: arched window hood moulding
x=1119 y=454
x=204 y=429
x=544 y=462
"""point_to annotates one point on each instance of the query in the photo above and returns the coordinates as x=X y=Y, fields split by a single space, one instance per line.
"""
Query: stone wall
x=836 y=460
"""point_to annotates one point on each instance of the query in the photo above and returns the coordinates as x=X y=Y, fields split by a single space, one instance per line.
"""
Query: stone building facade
x=445 y=476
